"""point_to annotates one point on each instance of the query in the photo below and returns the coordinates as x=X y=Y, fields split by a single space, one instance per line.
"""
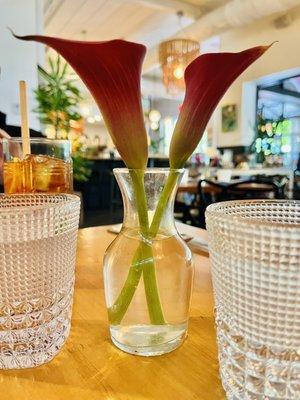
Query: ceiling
x=281 y=99
x=144 y=21
x=150 y=22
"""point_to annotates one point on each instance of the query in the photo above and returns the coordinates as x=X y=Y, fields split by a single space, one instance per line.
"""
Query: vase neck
x=142 y=192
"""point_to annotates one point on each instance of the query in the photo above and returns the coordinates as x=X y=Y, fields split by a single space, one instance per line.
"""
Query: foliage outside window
x=273 y=139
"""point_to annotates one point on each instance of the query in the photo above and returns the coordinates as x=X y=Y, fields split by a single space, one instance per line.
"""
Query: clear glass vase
x=148 y=268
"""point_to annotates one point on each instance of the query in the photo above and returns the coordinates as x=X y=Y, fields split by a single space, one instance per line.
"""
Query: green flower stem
x=146 y=260
x=140 y=263
x=137 y=177
x=143 y=257
x=150 y=284
x=143 y=261
x=149 y=275
x=119 y=308
x=162 y=203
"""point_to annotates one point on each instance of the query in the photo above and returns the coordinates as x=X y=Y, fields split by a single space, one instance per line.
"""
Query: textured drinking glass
x=37 y=258
x=172 y=274
x=255 y=252
x=48 y=169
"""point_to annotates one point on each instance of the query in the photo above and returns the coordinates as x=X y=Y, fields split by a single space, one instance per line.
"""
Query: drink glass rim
x=66 y=200
x=41 y=140
x=218 y=209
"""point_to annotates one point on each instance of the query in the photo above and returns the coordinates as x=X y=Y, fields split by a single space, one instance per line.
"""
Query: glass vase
x=148 y=268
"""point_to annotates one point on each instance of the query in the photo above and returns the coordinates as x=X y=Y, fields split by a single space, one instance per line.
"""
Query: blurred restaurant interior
x=251 y=145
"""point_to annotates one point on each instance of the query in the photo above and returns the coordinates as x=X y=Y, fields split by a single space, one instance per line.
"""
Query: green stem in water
x=150 y=284
x=137 y=177
x=163 y=201
x=143 y=261
x=147 y=260
x=120 y=306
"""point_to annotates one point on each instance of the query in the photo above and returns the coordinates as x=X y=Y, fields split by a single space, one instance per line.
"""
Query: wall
x=167 y=107
x=284 y=55
x=18 y=59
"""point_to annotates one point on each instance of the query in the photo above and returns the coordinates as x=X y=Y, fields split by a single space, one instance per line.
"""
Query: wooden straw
x=24 y=119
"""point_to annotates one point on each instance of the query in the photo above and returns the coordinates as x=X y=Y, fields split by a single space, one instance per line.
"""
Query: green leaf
x=57 y=95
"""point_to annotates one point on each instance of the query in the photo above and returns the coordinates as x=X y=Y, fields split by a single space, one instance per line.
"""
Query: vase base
x=148 y=341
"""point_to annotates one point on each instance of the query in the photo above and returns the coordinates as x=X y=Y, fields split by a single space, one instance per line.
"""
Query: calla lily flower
x=207 y=78
x=111 y=71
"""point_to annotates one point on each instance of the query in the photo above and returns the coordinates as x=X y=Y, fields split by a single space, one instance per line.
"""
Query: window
x=278 y=123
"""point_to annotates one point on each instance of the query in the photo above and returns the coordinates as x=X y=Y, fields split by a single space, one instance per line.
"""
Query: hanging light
x=91 y=120
x=154 y=116
x=154 y=126
x=98 y=117
x=174 y=57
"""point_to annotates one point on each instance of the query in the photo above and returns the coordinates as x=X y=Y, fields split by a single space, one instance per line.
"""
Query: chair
x=182 y=211
x=210 y=192
x=253 y=189
x=279 y=180
x=296 y=194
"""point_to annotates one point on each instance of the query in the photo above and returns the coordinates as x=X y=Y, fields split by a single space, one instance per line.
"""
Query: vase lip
x=152 y=170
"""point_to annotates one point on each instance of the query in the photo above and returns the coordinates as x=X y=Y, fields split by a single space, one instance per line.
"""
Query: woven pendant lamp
x=174 y=57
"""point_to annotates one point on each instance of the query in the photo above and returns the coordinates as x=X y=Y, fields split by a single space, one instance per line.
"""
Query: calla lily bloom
x=207 y=78
x=111 y=71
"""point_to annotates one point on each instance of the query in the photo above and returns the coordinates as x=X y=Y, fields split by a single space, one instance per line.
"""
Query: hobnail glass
x=255 y=253
x=37 y=258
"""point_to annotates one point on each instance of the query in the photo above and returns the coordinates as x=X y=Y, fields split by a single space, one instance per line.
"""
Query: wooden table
x=188 y=187
x=270 y=171
x=192 y=186
x=89 y=367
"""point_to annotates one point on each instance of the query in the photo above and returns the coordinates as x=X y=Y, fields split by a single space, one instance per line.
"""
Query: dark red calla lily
x=207 y=78
x=112 y=72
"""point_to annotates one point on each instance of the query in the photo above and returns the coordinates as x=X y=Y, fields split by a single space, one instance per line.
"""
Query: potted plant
x=58 y=101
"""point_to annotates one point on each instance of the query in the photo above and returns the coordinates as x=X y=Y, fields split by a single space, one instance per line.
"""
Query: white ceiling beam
x=233 y=14
x=188 y=9
x=279 y=98
x=50 y=9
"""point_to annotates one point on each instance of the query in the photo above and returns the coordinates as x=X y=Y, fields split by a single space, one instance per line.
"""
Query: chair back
x=209 y=192
x=258 y=188
x=253 y=189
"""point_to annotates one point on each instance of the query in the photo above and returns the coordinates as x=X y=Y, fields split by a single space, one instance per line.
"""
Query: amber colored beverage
x=37 y=174
x=47 y=170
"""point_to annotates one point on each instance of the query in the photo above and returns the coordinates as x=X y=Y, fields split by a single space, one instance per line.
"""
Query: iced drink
x=37 y=174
